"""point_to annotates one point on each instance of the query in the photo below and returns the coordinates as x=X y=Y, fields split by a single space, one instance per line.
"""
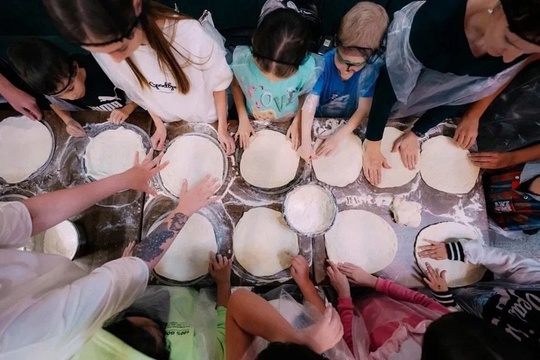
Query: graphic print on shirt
x=110 y=103
x=517 y=313
x=337 y=106
x=264 y=101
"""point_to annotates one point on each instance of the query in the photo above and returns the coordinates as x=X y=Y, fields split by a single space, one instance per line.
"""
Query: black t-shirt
x=101 y=94
x=437 y=40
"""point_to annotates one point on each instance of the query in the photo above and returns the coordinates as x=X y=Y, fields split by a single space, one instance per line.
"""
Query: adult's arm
x=384 y=99
x=50 y=209
x=249 y=315
x=19 y=100
x=152 y=248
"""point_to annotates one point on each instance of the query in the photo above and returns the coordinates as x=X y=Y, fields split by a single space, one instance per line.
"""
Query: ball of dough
x=408 y=213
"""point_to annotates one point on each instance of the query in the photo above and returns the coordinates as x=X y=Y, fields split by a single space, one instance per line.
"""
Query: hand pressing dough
x=112 y=152
x=263 y=243
x=310 y=209
x=398 y=174
x=457 y=273
x=408 y=213
x=343 y=167
x=269 y=161
x=361 y=238
x=446 y=167
x=191 y=157
x=25 y=146
x=188 y=257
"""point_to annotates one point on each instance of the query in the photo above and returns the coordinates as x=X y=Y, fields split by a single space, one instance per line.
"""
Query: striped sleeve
x=445 y=298
x=455 y=251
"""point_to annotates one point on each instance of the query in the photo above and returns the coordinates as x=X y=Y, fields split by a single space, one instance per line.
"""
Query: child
x=345 y=88
x=271 y=78
x=69 y=83
x=163 y=60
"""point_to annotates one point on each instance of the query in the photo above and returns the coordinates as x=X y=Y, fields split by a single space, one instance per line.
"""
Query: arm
x=245 y=130
x=226 y=140
x=332 y=142
x=308 y=114
x=249 y=315
x=73 y=127
x=346 y=313
x=118 y=116
x=499 y=160
x=158 y=139
x=19 y=100
x=300 y=274
x=220 y=333
x=49 y=209
x=401 y=293
x=293 y=132
x=152 y=248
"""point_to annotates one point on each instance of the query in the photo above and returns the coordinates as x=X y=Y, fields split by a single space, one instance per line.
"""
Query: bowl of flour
x=310 y=209
x=63 y=239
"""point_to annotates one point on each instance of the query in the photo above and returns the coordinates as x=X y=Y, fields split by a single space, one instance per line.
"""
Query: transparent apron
x=418 y=88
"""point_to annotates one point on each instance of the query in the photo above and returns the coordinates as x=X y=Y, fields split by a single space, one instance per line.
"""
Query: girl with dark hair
x=441 y=57
x=272 y=77
x=164 y=61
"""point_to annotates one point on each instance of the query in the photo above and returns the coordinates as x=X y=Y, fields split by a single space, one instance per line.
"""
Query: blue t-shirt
x=268 y=100
x=338 y=98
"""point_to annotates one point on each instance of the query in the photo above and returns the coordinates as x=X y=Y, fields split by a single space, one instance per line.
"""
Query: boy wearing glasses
x=70 y=83
x=345 y=88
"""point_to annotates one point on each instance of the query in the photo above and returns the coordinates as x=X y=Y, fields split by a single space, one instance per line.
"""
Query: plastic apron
x=418 y=88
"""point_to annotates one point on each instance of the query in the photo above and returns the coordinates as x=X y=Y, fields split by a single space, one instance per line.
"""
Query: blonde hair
x=364 y=25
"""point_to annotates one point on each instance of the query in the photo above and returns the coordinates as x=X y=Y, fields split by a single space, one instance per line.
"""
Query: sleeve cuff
x=445 y=298
x=455 y=251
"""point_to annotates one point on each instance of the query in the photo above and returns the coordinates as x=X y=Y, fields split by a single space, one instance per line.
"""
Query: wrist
x=373 y=281
x=416 y=133
x=372 y=145
x=344 y=293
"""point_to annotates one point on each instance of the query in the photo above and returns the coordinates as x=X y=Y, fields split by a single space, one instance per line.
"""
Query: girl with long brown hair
x=165 y=61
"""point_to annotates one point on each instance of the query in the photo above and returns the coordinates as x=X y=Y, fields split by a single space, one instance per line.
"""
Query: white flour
x=61 y=239
x=309 y=209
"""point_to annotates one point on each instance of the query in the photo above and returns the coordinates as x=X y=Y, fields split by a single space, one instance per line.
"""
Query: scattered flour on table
x=408 y=213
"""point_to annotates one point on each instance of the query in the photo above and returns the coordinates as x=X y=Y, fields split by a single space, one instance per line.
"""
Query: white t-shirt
x=207 y=72
x=49 y=307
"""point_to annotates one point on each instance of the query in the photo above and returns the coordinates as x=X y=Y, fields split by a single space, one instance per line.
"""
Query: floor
x=516 y=241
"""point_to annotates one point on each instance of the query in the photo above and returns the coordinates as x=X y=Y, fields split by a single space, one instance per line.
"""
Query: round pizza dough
x=344 y=166
x=25 y=146
x=310 y=209
x=62 y=239
x=398 y=174
x=263 y=243
x=191 y=157
x=361 y=238
x=269 y=161
x=446 y=167
x=188 y=257
x=112 y=152
x=457 y=273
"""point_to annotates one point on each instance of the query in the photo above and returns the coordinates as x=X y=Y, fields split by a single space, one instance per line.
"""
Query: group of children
x=175 y=68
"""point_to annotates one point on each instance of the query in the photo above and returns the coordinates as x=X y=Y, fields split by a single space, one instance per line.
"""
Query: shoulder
x=190 y=36
x=242 y=55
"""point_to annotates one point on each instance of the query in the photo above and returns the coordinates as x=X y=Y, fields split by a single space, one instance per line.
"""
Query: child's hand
x=245 y=130
x=306 y=152
x=118 y=116
x=75 y=129
x=293 y=134
x=435 y=250
x=338 y=280
x=357 y=275
x=158 y=139
x=328 y=146
x=226 y=141
x=300 y=270
x=436 y=280
x=220 y=268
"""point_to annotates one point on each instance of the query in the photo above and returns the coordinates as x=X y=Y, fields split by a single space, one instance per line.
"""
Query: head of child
x=48 y=69
x=360 y=36
x=141 y=333
x=462 y=336
x=277 y=350
x=280 y=44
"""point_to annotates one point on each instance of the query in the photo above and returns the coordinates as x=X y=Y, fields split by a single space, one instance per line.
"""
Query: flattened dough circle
x=269 y=161
x=343 y=167
x=112 y=152
x=191 y=157
x=398 y=174
x=362 y=238
x=187 y=258
x=446 y=167
x=457 y=273
x=263 y=243
x=25 y=146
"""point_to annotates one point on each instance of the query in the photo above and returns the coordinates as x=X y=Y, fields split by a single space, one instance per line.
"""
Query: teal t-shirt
x=269 y=100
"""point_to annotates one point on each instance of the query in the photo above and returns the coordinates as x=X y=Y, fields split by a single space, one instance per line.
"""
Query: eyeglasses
x=347 y=62
x=126 y=35
x=370 y=54
x=72 y=74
